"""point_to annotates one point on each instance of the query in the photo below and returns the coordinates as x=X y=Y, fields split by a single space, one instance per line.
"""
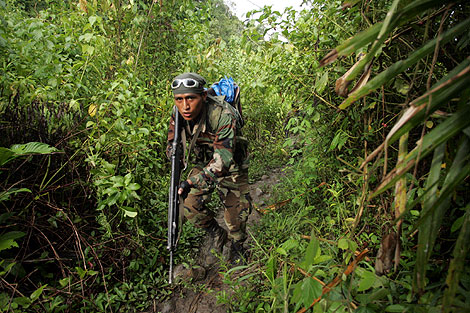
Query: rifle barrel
x=173 y=206
x=170 y=279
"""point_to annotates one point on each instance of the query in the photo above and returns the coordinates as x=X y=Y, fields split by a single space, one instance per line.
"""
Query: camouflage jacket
x=220 y=147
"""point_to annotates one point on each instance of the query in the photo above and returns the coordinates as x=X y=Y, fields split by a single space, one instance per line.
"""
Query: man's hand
x=184 y=189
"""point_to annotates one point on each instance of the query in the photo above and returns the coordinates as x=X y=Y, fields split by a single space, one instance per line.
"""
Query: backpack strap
x=238 y=105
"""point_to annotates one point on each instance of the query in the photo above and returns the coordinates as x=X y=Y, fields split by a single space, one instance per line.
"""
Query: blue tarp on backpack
x=226 y=87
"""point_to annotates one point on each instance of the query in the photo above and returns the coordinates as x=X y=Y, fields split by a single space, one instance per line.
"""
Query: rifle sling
x=193 y=140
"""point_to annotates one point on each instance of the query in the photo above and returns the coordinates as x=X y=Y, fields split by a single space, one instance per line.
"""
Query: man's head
x=189 y=94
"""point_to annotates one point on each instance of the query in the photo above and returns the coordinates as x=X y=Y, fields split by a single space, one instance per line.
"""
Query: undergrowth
x=83 y=223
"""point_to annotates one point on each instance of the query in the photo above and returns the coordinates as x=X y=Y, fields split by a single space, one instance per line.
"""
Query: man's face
x=190 y=104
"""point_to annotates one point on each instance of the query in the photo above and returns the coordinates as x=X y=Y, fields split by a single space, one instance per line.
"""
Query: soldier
x=213 y=128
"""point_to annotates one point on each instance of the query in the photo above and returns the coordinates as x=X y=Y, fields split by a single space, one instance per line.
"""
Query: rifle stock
x=174 y=198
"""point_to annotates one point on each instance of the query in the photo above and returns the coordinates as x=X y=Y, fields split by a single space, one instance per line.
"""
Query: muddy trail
x=199 y=288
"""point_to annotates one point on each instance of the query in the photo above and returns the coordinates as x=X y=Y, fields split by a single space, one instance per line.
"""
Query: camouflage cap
x=183 y=88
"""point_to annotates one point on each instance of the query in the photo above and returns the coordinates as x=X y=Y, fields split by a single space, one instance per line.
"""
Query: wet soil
x=199 y=287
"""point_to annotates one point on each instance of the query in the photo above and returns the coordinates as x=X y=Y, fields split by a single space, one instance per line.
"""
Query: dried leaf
x=364 y=77
x=329 y=58
x=384 y=260
x=342 y=83
x=83 y=5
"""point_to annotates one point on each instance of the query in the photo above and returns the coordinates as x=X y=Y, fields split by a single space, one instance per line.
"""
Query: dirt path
x=201 y=294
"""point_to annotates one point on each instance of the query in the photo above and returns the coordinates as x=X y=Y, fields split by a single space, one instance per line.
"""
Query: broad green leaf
x=335 y=141
x=4 y=217
x=133 y=186
x=129 y=213
x=7 y=240
x=320 y=84
x=311 y=253
x=362 y=309
x=6 y=267
x=81 y=272
x=92 y=19
x=24 y=302
x=5 y=195
x=322 y=258
x=111 y=190
x=270 y=269
x=65 y=281
x=457 y=224
x=7 y=244
x=297 y=294
x=398 y=308
x=5 y=155
x=37 y=293
x=343 y=244
x=316 y=117
x=32 y=147
x=372 y=296
x=290 y=244
x=144 y=131
x=311 y=289
x=24 y=149
x=13 y=235
x=367 y=281
x=86 y=37
x=281 y=251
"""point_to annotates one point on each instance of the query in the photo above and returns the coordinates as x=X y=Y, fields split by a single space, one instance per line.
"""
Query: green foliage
x=323 y=142
x=16 y=151
x=91 y=79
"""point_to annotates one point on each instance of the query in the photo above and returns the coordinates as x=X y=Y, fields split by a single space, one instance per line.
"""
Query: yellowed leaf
x=92 y=109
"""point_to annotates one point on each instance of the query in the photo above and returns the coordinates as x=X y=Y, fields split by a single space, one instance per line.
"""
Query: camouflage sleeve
x=171 y=135
x=222 y=158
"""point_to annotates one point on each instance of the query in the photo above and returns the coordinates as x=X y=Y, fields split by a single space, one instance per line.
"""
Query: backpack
x=228 y=87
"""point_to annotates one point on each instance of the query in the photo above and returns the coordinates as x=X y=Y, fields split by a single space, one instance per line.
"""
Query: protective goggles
x=187 y=82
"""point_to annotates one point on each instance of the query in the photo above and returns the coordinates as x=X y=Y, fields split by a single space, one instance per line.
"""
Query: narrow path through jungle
x=200 y=295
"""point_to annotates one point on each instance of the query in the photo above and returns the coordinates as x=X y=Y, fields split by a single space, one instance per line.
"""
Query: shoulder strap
x=193 y=140
x=217 y=99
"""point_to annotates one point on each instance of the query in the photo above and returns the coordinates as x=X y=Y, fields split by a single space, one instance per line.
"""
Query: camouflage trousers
x=234 y=193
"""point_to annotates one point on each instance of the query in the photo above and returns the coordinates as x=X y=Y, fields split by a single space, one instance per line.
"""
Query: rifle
x=174 y=210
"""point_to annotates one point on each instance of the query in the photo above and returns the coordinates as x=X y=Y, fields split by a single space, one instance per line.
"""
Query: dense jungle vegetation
x=365 y=104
